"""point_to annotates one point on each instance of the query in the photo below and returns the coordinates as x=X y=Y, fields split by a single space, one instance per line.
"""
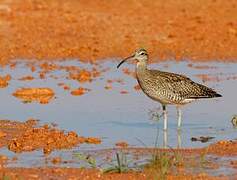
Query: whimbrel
x=167 y=88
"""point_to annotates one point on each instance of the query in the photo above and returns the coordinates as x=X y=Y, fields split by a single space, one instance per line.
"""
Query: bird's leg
x=165 y=117
x=179 y=138
x=165 y=140
x=179 y=113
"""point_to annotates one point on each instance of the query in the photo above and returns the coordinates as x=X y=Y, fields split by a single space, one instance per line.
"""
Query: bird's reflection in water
x=165 y=139
x=179 y=139
x=156 y=116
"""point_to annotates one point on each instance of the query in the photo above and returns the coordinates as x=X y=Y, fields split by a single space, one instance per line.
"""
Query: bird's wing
x=183 y=86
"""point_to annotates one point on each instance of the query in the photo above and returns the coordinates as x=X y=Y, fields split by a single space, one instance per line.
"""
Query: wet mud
x=29 y=136
x=40 y=95
x=4 y=81
x=74 y=173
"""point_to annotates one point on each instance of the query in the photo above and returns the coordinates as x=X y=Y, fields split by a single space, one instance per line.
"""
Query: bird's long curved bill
x=130 y=57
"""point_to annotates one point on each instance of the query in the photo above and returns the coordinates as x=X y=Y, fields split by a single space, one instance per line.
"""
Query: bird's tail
x=205 y=92
x=214 y=95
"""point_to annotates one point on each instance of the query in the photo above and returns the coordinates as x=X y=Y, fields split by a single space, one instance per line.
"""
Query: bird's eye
x=142 y=53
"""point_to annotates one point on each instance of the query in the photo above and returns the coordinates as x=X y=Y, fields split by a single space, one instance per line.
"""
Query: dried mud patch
x=93 y=30
x=4 y=81
x=28 y=136
x=12 y=129
x=40 y=95
x=79 y=91
x=223 y=148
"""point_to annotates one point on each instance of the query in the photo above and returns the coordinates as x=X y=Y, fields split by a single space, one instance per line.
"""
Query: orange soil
x=25 y=136
x=26 y=78
x=4 y=81
x=91 y=174
x=220 y=148
x=12 y=129
x=82 y=76
x=223 y=148
x=95 y=29
x=121 y=144
x=41 y=95
x=79 y=91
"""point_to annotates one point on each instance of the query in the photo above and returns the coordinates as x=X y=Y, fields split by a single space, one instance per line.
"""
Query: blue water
x=123 y=117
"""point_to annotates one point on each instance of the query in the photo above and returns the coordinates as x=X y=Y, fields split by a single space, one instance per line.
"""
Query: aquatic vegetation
x=121 y=165
x=160 y=164
x=155 y=114
x=4 y=177
x=86 y=158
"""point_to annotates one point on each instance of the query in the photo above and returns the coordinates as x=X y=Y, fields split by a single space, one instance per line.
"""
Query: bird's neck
x=141 y=67
x=141 y=71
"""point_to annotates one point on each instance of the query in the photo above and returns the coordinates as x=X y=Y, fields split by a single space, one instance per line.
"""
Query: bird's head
x=140 y=55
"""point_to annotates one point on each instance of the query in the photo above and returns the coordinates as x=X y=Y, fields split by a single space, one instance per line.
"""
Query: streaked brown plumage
x=167 y=88
x=170 y=88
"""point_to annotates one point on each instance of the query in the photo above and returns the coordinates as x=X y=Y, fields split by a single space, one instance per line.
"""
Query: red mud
x=26 y=78
x=27 y=136
x=41 y=95
x=223 y=148
x=91 y=174
x=220 y=148
x=79 y=91
x=97 y=29
x=4 y=81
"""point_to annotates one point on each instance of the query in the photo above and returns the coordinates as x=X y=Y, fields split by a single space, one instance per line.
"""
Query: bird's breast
x=151 y=88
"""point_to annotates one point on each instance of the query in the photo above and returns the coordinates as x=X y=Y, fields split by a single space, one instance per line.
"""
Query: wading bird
x=167 y=88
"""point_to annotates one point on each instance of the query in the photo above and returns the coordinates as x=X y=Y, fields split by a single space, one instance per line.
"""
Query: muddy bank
x=220 y=148
x=75 y=173
x=29 y=136
x=91 y=30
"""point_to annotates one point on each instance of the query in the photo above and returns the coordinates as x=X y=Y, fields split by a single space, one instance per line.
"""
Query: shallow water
x=123 y=117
